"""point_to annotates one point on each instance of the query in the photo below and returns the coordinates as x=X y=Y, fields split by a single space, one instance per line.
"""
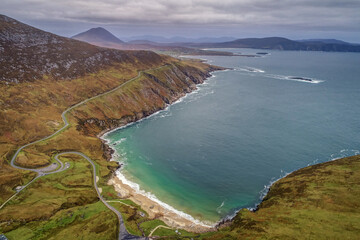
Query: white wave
x=119 y=141
x=343 y=153
x=295 y=78
x=266 y=188
x=251 y=69
x=121 y=158
x=152 y=197
x=218 y=209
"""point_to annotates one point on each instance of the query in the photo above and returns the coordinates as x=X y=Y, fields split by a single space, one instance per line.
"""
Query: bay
x=219 y=148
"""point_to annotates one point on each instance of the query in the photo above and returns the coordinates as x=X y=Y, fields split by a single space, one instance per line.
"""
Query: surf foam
x=136 y=187
x=251 y=69
x=152 y=197
x=295 y=78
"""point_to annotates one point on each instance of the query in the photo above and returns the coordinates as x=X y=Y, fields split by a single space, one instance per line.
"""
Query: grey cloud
x=339 y=15
x=334 y=12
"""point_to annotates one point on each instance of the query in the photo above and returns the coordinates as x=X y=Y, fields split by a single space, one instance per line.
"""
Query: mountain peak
x=29 y=54
x=98 y=35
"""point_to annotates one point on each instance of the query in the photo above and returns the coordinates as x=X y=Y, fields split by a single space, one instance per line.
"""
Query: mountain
x=103 y=38
x=263 y=43
x=179 y=39
x=331 y=41
x=27 y=54
x=98 y=35
x=280 y=43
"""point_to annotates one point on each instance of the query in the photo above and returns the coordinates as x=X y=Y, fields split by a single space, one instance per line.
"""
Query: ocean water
x=218 y=149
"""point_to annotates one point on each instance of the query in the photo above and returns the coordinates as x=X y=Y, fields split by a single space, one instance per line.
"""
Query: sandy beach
x=155 y=210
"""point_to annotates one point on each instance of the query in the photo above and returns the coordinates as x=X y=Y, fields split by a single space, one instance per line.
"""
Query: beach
x=241 y=113
x=157 y=210
x=148 y=202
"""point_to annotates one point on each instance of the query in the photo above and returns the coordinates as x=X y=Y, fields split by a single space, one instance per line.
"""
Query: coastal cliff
x=123 y=86
x=152 y=92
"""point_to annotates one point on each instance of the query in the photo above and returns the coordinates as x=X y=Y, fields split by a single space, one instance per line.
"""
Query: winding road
x=123 y=233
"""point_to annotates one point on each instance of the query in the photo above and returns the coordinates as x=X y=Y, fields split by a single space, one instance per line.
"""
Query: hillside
x=28 y=54
x=43 y=74
x=335 y=41
x=316 y=202
x=279 y=43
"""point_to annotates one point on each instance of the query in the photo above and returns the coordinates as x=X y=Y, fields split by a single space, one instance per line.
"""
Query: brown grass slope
x=33 y=94
x=147 y=94
x=41 y=75
x=27 y=54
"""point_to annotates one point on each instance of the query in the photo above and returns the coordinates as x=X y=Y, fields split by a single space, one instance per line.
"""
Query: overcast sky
x=295 y=19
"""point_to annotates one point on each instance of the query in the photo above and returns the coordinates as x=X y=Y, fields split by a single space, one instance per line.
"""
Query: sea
x=219 y=148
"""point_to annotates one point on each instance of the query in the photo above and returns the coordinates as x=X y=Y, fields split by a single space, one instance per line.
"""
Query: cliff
x=43 y=74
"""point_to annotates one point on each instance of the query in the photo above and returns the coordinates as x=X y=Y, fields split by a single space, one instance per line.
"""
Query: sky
x=294 y=19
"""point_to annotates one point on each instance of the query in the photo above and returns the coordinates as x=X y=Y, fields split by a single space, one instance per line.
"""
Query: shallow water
x=218 y=149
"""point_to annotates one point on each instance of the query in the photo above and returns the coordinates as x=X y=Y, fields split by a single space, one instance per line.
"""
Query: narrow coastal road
x=123 y=233
x=66 y=122
x=40 y=172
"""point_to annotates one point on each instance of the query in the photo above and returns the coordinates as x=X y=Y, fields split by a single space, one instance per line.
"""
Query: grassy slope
x=149 y=93
x=41 y=75
x=59 y=205
x=32 y=110
x=316 y=202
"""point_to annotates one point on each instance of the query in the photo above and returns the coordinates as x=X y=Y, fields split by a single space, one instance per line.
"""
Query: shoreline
x=148 y=201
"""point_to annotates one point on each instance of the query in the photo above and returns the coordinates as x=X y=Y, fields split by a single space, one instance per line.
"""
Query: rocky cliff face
x=42 y=74
x=147 y=95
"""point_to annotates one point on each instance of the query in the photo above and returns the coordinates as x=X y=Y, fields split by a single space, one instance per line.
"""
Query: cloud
x=295 y=19
x=306 y=13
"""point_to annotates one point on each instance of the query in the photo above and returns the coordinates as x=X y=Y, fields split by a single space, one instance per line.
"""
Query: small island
x=301 y=78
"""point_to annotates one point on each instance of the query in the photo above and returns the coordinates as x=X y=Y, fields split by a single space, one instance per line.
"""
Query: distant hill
x=280 y=43
x=263 y=43
x=331 y=41
x=98 y=35
x=28 y=53
x=179 y=39
x=103 y=38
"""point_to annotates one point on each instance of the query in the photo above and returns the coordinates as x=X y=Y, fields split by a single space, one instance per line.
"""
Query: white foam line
x=165 y=109
x=152 y=197
x=290 y=78
x=251 y=70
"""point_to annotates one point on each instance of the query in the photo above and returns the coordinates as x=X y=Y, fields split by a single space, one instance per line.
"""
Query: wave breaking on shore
x=149 y=201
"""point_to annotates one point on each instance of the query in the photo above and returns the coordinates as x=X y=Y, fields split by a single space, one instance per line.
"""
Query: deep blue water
x=216 y=150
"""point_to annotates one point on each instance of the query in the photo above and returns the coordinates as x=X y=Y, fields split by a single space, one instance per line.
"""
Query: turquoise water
x=219 y=148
